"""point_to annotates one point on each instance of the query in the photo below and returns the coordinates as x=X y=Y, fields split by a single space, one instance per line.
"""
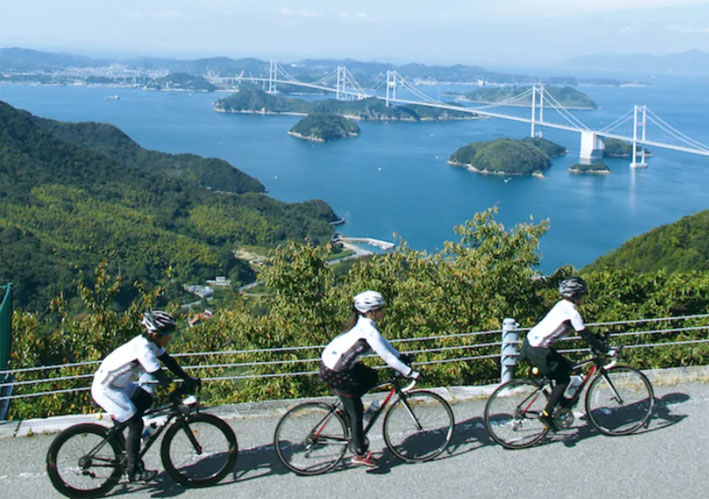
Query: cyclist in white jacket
x=351 y=379
x=115 y=386
x=538 y=346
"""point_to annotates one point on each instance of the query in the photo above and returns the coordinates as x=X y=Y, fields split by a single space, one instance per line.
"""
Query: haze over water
x=394 y=177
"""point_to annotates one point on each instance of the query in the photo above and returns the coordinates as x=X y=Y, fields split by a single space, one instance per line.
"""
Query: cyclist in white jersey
x=114 y=387
x=537 y=347
x=351 y=379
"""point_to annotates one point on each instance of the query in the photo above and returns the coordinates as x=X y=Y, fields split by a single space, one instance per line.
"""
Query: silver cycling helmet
x=573 y=288
x=368 y=301
x=157 y=321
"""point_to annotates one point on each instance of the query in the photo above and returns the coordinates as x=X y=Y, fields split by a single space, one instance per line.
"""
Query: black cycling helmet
x=573 y=288
x=157 y=321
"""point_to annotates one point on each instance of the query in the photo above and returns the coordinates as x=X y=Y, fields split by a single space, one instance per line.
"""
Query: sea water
x=393 y=181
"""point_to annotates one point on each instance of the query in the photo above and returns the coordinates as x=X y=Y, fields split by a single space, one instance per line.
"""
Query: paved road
x=670 y=459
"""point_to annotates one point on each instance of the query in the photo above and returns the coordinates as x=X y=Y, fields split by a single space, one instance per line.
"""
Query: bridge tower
x=592 y=147
x=340 y=92
x=272 y=76
x=636 y=110
x=537 y=90
x=391 y=86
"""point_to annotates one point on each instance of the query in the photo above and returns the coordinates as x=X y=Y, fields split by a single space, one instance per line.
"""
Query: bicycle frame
x=395 y=389
x=173 y=416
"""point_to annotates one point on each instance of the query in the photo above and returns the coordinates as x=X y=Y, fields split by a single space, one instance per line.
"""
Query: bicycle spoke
x=419 y=426
x=619 y=401
x=199 y=450
x=511 y=414
x=81 y=462
x=311 y=439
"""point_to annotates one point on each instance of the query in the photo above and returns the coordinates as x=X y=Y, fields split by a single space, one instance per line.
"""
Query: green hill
x=74 y=194
x=254 y=100
x=322 y=127
x=679 y=246
x=507 y=156
x=616 y=148
x=181 y=81
x=566 y=96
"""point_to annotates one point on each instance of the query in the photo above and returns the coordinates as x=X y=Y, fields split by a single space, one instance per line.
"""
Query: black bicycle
x=619 y=401
x=312 y=438
x=198 y=450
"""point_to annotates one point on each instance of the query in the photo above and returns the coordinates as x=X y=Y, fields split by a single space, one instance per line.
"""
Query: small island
x=528 y=156
x=616 y=148
x=566 y=96
x=255 y=100
x=181 y=82
x=598 y=168
x=322 y=127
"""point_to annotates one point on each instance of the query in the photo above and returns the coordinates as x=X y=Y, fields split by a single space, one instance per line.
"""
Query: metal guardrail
x=508 y=338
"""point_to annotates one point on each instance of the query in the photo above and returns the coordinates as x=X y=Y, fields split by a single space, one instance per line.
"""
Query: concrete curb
x=275 y=408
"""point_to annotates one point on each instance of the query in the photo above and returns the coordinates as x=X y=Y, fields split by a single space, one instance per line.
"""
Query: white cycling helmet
x=573 y=288
x=157 y=321
x=368 y=301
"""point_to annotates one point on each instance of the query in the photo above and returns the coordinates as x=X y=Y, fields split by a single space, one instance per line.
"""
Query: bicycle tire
x=619 y=417
x=418 y=420
x=65 y=473
x=311 y=439
x=207 y=465
x=511 y=414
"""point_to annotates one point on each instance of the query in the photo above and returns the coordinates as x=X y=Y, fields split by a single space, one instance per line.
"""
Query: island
x=528 y=156
x=616 y=148
x=598 y=168
x=322 y=127
x=181 y=82
x=566 y=96
x=255 y=100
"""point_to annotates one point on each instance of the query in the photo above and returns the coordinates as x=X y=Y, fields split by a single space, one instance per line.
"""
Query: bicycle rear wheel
x=419 y=426
x=619 y=401
x=311 y=438
x=199 y=452
x=77 y=464
x=512 y=411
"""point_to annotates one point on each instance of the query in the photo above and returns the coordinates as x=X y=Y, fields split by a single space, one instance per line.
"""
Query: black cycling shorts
x=551 y=363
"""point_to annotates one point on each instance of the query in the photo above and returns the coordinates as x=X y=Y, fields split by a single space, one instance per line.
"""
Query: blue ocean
x=393 y=181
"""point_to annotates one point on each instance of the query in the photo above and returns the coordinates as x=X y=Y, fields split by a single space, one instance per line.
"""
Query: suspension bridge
x=393 y=88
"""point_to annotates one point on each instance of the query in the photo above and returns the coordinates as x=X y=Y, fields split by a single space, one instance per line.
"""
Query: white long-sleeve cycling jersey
x=559 y=322
x=344 y=350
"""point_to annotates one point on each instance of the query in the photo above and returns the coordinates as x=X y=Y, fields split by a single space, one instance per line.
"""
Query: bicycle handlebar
x=409 y=386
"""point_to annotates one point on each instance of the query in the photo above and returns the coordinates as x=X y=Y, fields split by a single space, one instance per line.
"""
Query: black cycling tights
x=355 y=409
x=142 y=401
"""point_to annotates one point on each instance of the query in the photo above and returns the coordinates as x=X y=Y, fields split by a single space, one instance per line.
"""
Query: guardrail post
x=508 y=359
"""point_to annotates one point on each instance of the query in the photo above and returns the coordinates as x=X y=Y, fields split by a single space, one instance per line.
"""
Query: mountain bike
x=619 y=401
x=198 y=450
x=311 y=438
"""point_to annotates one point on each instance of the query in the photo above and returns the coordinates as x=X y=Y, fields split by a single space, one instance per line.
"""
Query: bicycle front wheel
x=512 y=412
x=82 y=463
x=199 y=451
x=311 y=438
x=619 y=401
x=419 y=426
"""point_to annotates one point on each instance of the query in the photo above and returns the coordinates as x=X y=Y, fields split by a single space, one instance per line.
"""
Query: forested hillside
x=679 y=246
x=72 y=195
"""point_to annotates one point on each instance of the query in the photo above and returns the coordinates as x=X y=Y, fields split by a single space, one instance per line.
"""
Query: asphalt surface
x=669 y=459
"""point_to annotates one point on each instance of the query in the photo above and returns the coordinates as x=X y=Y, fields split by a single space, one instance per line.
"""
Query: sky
x=485 y=32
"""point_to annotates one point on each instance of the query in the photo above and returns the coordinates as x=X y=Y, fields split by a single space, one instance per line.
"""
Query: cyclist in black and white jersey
x=351 y=379
x=538 y=349
x=115 y=386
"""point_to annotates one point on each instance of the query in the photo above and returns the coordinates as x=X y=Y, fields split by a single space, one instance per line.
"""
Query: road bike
x=198 y=450
x=312 y=438
x=619 y=401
